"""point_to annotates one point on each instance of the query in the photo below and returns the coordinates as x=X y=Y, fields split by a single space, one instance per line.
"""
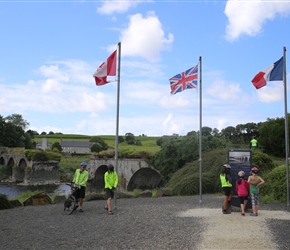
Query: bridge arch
x=98 y=181
x=22 y=164
x=145 y=178
x=2 y=160
x=18 y=170
x=132 y=173
x=11 y=162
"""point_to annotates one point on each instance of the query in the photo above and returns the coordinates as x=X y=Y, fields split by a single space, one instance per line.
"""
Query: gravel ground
x=146 y=223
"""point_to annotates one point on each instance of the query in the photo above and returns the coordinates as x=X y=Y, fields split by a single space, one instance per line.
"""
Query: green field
x=148 y=146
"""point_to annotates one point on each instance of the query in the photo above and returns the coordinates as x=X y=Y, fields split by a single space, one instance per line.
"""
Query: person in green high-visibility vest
x=226 y=182
x=111 y=182
x=254 y=143
x=81 y=177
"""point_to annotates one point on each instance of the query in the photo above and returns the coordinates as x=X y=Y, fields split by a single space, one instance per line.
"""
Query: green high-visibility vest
x=224 y=181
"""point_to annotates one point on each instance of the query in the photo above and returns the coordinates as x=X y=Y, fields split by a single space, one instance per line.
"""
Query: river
x=12 y=190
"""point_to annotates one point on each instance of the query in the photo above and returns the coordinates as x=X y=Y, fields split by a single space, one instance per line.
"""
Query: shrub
x=39 y=155
x=4 y=202
x=131 y=142
x=275 y=184
x=262 y=161
x=186 y=181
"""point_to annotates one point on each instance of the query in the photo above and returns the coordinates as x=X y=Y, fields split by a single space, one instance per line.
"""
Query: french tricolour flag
x=271 y=73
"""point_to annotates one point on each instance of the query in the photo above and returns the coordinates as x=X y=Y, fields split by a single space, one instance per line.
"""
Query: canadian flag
x=107 y=68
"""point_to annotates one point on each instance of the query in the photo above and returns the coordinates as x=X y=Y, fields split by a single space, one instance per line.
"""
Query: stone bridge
x=29 y=172
x=133 y=173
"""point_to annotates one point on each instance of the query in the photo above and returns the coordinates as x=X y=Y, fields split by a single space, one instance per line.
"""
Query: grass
x=24 y=196
x=148 y=142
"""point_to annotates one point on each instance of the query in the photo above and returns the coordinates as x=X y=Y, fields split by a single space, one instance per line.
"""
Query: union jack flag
x=185 y=80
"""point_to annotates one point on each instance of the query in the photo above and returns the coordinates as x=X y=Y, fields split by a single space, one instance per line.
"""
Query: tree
x=162 y=139
x=32 y=133
x=96 y=147
x=2 y=130
x=100 y=141
x=28 y=141
x=245 y=132
x=206 y=131
x=192 y=133
x=216 y=132
x=57 y=146
x=230 y=133
x=120 y=139
x=17 y=120
x=272 y=136
x=177 y=151
x=13 y=135
x=129 y=137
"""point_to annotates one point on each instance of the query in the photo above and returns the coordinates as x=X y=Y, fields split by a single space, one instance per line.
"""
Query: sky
x=49 y=51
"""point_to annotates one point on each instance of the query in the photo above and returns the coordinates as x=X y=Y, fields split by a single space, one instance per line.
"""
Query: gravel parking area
x=144 y=223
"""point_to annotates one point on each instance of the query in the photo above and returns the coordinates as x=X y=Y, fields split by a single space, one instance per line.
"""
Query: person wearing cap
x=111 y=182
x=226 y=181
x=81 y=177
x=242 y=188
x=255 y=182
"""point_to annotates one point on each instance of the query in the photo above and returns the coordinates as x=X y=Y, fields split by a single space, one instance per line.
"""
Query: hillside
x=148 y=143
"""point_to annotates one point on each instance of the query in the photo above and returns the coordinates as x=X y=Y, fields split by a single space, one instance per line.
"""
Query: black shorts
x=227 y=190
x=80 y=193
x=243 y=198
x=109 y=193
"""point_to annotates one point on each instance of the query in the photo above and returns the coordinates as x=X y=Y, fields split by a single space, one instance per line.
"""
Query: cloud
x=50 y=85
x=271 y=93
x=222 y=123
x=56 y=91
x=167 y=120
x=168 y=101
x=110 y=7
x=248 y=17
x=53 y=71
x=145 y=37
x=224 y=90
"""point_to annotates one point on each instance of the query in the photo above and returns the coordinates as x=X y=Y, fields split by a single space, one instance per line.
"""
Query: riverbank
x=13 y=190
x=145 y=223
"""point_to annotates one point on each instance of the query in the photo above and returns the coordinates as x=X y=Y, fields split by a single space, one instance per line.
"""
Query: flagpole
x=117 y=120
x=286 y=123
x=200 y=133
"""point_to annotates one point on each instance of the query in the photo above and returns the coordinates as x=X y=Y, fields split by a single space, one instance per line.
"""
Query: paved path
x=144 y=223
x=234 y=231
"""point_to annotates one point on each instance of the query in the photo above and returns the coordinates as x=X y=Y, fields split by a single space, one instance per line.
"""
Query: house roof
x=40 y=144
x=84 y=144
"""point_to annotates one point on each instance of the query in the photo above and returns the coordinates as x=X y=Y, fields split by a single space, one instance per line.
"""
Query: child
x=242 y=188
x=255 y=182
x=226 y=181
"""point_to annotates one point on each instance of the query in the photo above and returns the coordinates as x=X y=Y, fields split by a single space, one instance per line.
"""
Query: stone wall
x=42 y=173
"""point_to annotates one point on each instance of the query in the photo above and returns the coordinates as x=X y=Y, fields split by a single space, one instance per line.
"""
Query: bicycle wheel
x=70 y=204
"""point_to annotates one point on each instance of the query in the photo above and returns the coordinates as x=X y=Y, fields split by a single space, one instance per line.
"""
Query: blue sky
x=49 y=51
